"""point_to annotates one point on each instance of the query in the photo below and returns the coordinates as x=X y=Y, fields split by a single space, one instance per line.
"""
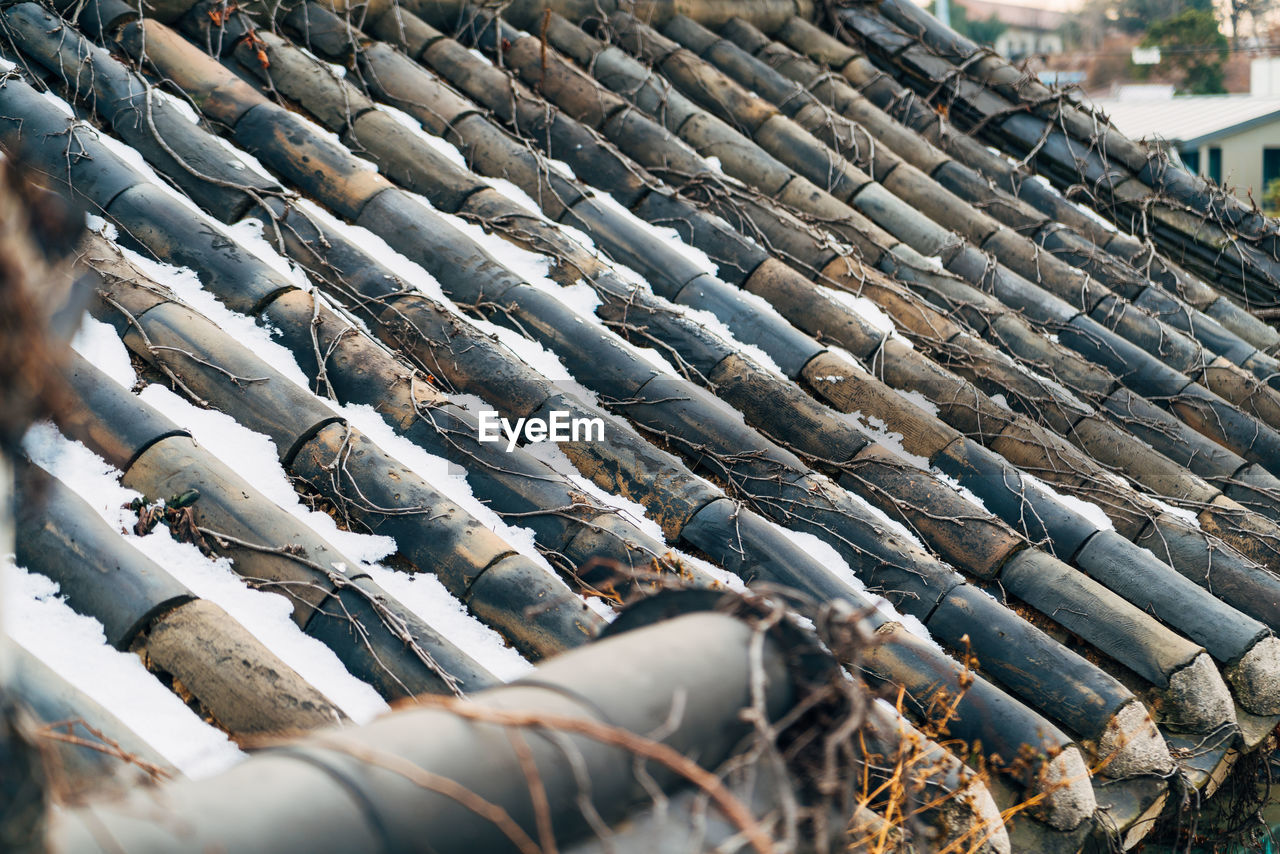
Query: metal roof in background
x=1188 y=120
x=1015 y=15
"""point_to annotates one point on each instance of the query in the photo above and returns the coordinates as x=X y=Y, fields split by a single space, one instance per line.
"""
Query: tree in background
x=984 y=31
x=1238 y=9
x=1191 y=43
x=1132 y=17
x=1194 y=51
x=1271 y=198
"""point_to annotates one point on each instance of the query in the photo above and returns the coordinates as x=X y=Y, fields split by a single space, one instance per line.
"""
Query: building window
x=1191 y=159
x=1215 y=164
x=1270 y=166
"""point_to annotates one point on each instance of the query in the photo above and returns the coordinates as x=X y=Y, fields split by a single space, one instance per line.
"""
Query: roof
x=867 y=409
x=1025 y=17
x=1189 y=120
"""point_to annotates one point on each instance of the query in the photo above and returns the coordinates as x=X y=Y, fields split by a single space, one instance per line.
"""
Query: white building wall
x=1242 y=158
x=1017 y=42
x=1264 y=76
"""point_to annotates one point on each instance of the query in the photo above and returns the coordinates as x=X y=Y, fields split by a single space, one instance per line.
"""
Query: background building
x=1027 y=32
x=1233 y=139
